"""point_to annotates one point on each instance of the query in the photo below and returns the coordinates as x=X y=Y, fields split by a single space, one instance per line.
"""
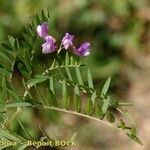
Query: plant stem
x=125 y=104
x=66 y=111
x=79 y=114
x=7 y=123
x=26 y=91
x=57 y=67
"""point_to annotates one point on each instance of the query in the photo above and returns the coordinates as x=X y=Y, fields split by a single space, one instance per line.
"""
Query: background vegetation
x=119 y=33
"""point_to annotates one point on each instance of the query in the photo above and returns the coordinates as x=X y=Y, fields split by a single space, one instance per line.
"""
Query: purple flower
x=67 y=40
x=49 y=46
x=42 y=30
x=83 y=50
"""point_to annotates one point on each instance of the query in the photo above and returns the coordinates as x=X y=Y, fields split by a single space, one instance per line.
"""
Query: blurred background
x=119 y=33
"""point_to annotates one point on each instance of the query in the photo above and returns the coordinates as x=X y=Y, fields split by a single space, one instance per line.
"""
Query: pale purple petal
x=67 y=40
x=83 y=50
x=42 y=30
x=49 y=46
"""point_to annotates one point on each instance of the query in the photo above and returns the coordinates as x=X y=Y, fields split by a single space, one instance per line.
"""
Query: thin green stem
x=57 y=67
x=125 y=104
x=60 y=48
x=78 y=114
x=7 y=123
x=73 y=113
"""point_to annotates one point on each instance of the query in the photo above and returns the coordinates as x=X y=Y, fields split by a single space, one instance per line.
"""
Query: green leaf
x=67 y=59
x=5 y=61
x=90 y=80
x=24 y=129
x=14 y=95
x=6 y=134
x=71 y=60
x=17 y=45
x=23 y=147
x=93 y=97
x=133 y=131
x=51 y=98
x=135 y=138
x=5 y=57
x=18 y=104
x=99 y=111
x=51 y=84
x=44 y=18
x=27 y=59
x=23 y=70
x=73 y=137
x=2 y=100
x=77 y=99
x=114 y=103
x=89 y=107
x=79 y=77
x=25 y=36
x=64 y=88
x=11 y=40
x=68 y=73
x=110 y=117
x=77 y=103
x=77 y=60
x=66 y=98
x=38 y=21
x=4 y=71
x=48 y=13
x=10 y=54
x=67 y=102
x=106 y=87
x=105 y=105
x=122 y=125
x=76 y=90
x=4 y=87
x=5 y=146
x=29 y=31
x=36 y=80
x=5 y=46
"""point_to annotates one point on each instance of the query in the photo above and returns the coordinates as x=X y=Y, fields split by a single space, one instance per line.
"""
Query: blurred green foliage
x=116 y=28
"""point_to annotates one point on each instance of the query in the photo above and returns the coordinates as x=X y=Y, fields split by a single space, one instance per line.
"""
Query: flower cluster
x=67 y=41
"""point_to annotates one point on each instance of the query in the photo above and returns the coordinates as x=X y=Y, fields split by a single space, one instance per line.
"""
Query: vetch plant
x=40 y=74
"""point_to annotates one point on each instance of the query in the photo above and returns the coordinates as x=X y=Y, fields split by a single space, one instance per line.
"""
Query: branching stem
x=18 y=110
